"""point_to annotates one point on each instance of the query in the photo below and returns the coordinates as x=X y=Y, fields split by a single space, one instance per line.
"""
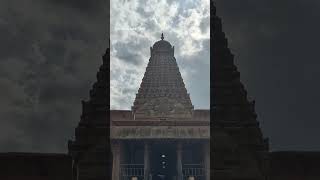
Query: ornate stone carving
x=162 y=93
x=163 y=107
x=154 y=132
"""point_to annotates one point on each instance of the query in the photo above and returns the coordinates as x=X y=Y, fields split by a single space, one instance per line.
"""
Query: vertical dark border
x=212 y=30
x=109 y=153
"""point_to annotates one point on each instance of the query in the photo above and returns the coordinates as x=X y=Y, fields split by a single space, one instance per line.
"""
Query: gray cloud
x=95 y=6
x=205 y=25
x=138 y=25
x=129 y=55
x=49 y=54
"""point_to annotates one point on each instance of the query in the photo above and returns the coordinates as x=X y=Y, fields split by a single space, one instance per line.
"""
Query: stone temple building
x=162 y=136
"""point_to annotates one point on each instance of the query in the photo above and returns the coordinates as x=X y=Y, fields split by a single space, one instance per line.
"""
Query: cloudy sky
x=50 y=51
x=138 y=24
x=276 y=47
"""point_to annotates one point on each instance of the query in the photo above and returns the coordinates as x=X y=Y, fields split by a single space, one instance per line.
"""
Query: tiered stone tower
x=238 y=149
x=90 y=151
x=162 y=128
x=162 y=93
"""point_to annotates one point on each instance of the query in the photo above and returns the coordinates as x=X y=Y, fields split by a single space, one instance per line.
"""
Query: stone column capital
x=115 y=146
x=147 y=145
x=179 y=146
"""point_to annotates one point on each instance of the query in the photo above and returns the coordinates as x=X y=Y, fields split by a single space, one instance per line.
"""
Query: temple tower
x=162 y=136
x=238 y=148
x=162 y=93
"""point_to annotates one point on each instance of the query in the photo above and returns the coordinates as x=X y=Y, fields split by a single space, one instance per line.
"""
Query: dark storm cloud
x=190 y=63
x=50 y=52
x=276 y=48
x=84 y=5
x=205 y=25
x=128 y=55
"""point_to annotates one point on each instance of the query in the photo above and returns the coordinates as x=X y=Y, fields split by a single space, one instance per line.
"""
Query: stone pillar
x=179 y=162
x=207 y=160
x=116 y=161
x=146 y=161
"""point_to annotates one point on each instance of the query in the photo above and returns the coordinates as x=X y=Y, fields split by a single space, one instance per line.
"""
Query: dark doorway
x=163 y=162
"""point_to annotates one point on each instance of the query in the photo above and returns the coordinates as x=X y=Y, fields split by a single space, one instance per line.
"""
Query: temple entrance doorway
x=163 y=162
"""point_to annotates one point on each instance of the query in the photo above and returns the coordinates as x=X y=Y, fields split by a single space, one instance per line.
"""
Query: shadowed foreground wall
x=35 y=166
x=289 y=165
x=294 y=165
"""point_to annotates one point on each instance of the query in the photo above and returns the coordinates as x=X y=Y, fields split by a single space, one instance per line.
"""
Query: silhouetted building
x=90 y=150
x=238 y=147
x=163 y=136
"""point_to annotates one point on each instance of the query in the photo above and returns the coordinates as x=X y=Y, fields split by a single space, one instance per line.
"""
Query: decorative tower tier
x=162 y=93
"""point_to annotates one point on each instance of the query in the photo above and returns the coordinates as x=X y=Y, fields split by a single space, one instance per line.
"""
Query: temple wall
x=291 y=165
x=35 y=166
